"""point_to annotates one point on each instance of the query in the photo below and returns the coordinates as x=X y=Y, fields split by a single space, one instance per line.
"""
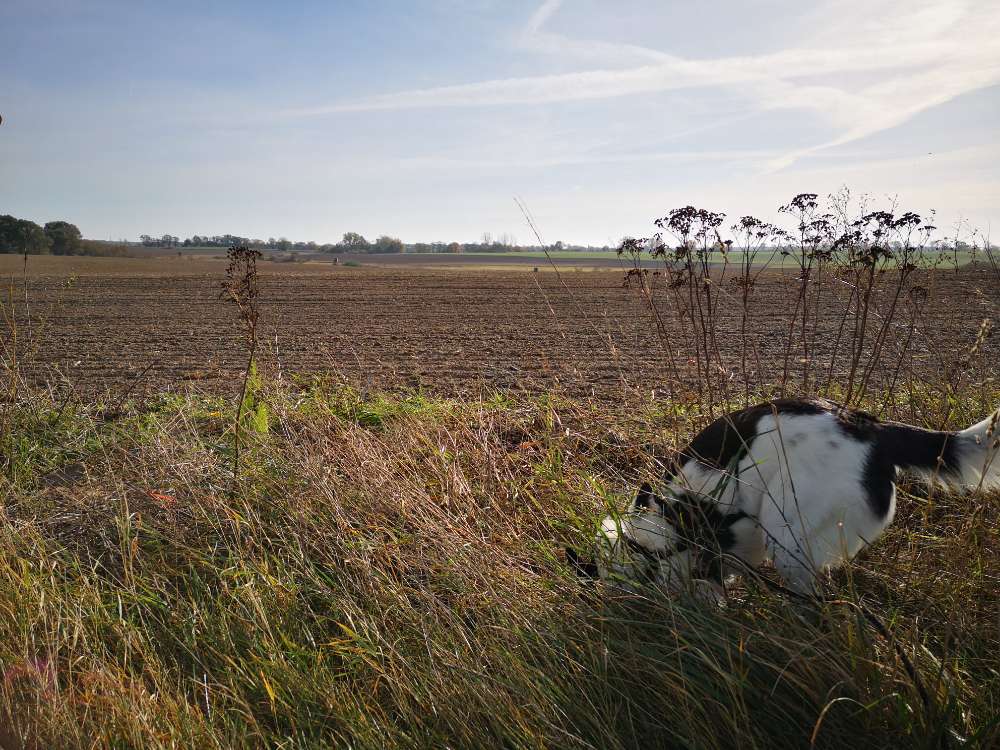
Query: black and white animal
x=804 y=483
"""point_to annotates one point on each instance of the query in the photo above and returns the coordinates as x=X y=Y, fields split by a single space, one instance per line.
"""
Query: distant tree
x=9 y=234
x=33 y=238
x=453 y=247
x=64 y=237
x=354 y=242
x=22 y=236
x=387 y=244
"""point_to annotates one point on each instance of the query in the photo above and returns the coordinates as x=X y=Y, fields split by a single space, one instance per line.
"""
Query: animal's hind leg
x=790 y=542
x=801 y=551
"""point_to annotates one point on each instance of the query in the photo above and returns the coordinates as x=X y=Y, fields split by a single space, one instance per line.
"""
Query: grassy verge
x=388 y=573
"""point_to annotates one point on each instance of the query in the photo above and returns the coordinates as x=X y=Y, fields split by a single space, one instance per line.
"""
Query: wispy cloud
x=729 y=156
x=922 y=54
x=535 y=38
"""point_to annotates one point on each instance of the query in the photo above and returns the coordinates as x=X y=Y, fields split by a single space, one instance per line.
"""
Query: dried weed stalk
x=852 y=324
x=242 y=288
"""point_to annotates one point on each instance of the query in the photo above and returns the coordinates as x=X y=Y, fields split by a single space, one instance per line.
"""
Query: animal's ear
x=644 y=497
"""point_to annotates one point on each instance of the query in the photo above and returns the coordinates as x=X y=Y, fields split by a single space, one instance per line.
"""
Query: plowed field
x=110 y=325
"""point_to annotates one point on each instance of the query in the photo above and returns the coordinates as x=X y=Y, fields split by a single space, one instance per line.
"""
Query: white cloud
x=534 y=38
x=749 y=155
x=922 y=54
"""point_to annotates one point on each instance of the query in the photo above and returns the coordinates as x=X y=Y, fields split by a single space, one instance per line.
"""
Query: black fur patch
x=900 y=446
x=702 y=529
x=700 y=522
x=644 y=496
x=858 y=424
x=729 y=436
x=916 y=448
x=583 y=569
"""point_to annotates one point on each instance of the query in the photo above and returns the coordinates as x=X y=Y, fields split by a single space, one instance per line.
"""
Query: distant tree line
x=353 y=242
x=166 y=240
x=22 y=236
x=501 y=246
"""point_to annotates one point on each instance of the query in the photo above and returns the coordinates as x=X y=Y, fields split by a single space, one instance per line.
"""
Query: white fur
x=983 y=468
x=800 y=483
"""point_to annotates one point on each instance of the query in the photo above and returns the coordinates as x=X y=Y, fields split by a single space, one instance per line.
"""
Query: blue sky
x=423 y=119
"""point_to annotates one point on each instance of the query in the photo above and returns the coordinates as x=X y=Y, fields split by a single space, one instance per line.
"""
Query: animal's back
x=819 y=478
x=778 y=449
x=806 y=483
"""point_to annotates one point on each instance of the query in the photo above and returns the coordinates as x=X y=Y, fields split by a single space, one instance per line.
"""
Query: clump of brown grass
x=389 y=574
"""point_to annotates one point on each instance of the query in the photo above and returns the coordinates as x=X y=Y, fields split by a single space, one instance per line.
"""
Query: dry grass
x=390 y=575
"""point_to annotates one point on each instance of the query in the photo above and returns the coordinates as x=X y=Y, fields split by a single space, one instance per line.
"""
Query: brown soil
x=110 y=325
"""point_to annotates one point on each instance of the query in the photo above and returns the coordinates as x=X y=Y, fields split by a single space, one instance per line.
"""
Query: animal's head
x=641 y=544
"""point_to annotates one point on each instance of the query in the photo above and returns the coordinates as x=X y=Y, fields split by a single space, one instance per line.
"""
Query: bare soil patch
x=108 y=325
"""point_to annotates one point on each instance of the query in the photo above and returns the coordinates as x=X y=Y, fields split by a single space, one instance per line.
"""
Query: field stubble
x=108 y=325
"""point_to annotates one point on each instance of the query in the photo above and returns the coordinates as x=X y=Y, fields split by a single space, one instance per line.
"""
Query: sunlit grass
x=388 y=572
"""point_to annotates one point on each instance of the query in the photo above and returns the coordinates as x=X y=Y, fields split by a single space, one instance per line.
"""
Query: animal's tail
x=967 y=458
